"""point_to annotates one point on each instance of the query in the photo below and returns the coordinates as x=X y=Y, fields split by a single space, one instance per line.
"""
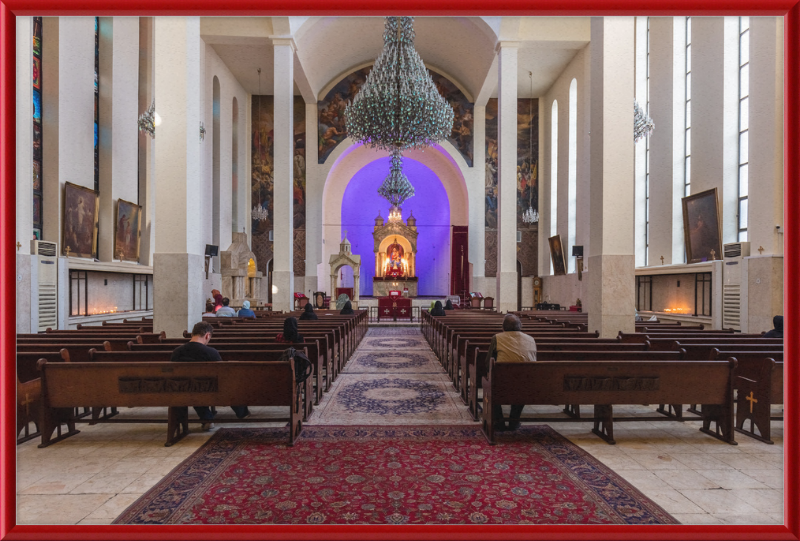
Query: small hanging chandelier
x=259 y=212
x=531 y=215
x=642 y=124
x=396 y=188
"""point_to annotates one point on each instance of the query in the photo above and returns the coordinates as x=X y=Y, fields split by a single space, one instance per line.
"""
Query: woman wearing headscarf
x=217 y=299
x=245 y=311
x=777 y=332
x=308 y=313
x=290 y=335
x=449 y=305
x=437 y=309
x=347 y=310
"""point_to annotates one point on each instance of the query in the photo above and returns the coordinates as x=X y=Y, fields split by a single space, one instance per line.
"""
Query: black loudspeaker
x=577 y=251
x=212 y=250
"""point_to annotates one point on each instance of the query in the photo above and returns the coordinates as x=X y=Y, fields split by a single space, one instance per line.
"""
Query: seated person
x=437 y=309
x=245 y=311
x=217 y=296
x=511 y=346
x=777 y=332
x=209 y=310
x=449 y=305
x=226 y=311
x=308 y=313
x=289 y=334
x=197 y=351
x=347 y=309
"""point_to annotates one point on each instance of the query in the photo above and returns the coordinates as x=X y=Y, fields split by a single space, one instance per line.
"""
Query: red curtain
x=459 y=261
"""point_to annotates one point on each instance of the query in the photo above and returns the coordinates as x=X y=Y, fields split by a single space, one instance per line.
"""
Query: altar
x=394 y=307
x=395 y=247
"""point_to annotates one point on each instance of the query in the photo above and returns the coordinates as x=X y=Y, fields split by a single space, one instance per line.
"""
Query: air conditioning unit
x=733 y=254
x=46 y=284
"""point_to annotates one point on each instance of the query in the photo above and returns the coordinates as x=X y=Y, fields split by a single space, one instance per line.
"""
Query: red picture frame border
x=9 y=9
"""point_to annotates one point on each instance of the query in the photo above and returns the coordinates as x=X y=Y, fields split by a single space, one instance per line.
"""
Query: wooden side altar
x=394 y=308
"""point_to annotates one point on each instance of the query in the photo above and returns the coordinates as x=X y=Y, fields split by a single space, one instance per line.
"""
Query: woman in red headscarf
x=217 y=299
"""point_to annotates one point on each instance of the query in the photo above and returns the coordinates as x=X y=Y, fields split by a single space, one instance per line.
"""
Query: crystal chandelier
x=398 y=106
x=642 y=124
x=396 y=188
x=149 y=120
x=531 y=215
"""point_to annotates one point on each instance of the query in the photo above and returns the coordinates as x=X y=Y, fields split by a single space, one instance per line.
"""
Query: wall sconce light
x=149 y=120
x=202 y=132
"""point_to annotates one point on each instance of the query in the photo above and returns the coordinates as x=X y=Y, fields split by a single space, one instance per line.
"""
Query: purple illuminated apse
x=431 y=208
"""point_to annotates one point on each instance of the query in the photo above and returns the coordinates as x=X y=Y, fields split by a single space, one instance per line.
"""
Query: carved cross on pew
x=752 y=400
x=662 y=259
x=18 y=246
x=68 y=250
x=27 y=403
x=760 y=249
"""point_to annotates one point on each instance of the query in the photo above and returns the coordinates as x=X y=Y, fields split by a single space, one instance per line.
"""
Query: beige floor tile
x=719 y=501
x=700 y=461
x=656 y=461
x=57 y=509
x=673 y=501
x=96 y=522
x=696 y=518
x=730 y=479
x=143 y=483
x=685 y=479
x=59 y=483
x=747 y=518
x=113 y=507
x=105 y=483
x=770 y=478
x=765 y=500
x=644 y=480
x=619 y=462
x=746 y=462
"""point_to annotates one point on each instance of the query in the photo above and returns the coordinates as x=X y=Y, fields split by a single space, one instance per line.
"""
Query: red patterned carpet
x=392 y=475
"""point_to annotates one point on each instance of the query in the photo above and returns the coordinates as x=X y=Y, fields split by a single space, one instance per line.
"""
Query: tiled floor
x=92 y=477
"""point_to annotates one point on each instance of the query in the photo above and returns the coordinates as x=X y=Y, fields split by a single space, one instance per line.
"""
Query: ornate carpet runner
x=392 y=475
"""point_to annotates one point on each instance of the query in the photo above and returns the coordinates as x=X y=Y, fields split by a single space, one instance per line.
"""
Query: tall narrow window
x=647 y=157
x=687 y=139
x=37 y=127
x=573 y=172
x=96 y=103
x=553 y=173
x=744 y=121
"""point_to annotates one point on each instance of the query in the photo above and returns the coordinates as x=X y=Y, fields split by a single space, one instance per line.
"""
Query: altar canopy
x=395 y=247
x=345 y=257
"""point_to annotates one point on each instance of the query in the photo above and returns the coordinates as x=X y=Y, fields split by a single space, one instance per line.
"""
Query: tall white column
x=146 y=144
x=611 y=288
x=68 y=114
x=477 y=199
x=24 y=134
x=119 y=101
x=506 y=297
x=178 y=260
x=313 y=206
x=283 y=262
x=714 y=86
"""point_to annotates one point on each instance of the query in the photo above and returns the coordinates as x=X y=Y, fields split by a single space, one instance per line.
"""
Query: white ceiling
x=460 y=47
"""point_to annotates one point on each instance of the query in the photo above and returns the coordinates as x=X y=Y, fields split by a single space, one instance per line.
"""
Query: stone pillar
x=68 y=114
x=477 y=200
x=506 y=296
x=667 y=98
x=178 y=265
x=611 y=287
x=119 y=101
x=714 y=114
x=146 y=143
x=765 y=154
x=314 y=248
x=283 y=262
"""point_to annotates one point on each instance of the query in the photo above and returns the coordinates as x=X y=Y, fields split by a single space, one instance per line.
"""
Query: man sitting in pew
x=777 y=332
x=511 y=346
x=197 y=351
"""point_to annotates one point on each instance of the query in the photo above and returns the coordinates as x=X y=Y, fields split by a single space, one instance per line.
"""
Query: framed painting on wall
x=557 y=255
x=126 y=235
x=81 y=206
x=701 y=228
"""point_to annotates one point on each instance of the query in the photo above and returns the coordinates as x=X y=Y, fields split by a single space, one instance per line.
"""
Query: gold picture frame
x=81 y=208
x=127 y=231
x=557 y=255
x=701 y=226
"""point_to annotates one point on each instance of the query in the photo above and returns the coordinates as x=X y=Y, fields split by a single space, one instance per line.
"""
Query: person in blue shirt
x=245 y=311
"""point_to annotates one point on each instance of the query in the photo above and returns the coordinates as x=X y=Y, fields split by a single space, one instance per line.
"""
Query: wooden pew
x=759 y=385
x=606 y=383
x=176 y=386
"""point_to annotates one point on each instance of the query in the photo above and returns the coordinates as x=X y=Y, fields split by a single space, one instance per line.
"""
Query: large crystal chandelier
x=398 y=107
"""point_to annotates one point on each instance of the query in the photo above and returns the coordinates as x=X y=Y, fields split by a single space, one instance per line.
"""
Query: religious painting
x=557 y=255
x=491 y=164
x=262 y=185
x=37 y=176
x=127 y=231
x=37 y=208
x=37 y=73
x=331 y=108
x=299 y=186
x=37 y=106
x=81 y=206
x=463 y=120
x=701 y=229
x=527 y=158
